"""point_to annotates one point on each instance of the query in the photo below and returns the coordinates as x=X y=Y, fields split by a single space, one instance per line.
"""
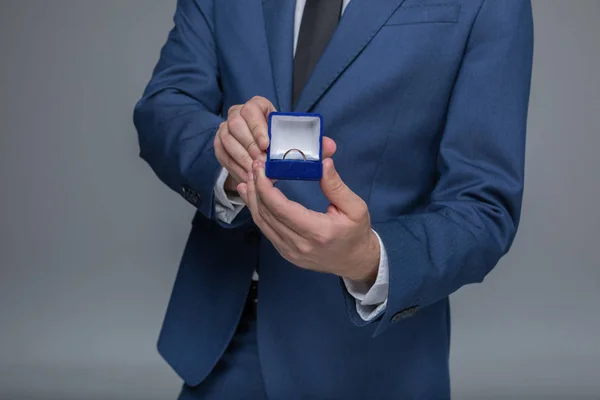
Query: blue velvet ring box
x=294 y=151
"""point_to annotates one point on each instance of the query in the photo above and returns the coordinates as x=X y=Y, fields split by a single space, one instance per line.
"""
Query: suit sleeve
x=473 y=213
x=179 y=113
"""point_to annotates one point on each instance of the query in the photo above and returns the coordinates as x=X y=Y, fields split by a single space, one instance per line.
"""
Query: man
x=424 y=105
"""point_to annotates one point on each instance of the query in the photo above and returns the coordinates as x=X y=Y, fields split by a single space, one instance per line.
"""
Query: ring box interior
x=294 y=151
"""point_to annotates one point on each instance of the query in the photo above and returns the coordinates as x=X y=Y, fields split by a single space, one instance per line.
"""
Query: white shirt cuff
x=226 y=207
x=372 y=301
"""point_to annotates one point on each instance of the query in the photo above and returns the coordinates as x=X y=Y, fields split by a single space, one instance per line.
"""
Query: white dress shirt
x=370 y=301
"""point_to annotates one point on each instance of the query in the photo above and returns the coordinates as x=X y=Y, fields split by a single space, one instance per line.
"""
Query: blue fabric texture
x=427 y=101
x=237 y=375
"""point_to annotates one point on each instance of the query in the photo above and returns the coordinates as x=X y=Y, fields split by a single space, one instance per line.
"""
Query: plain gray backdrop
x=90 y=239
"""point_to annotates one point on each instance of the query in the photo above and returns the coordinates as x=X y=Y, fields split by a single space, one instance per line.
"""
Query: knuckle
x=262 y=102
x=246 y=110
x=233 y=109
x=236 y=124
x=337 y=186
x=304 y=248
x=254 y=128
x=250 y=147
x=362 y=208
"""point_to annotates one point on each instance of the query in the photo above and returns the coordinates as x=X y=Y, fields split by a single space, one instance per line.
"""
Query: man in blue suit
x=424 y=105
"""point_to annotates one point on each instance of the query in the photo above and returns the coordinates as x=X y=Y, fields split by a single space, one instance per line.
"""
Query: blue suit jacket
x=427 y=101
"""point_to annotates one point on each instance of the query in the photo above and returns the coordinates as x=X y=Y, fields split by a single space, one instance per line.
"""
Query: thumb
x=329 y=147
x=339 y=194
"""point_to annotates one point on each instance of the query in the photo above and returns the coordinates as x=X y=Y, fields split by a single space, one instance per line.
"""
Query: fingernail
x=250 y=176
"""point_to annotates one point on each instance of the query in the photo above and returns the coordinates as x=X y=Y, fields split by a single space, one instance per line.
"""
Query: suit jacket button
x=190 y=195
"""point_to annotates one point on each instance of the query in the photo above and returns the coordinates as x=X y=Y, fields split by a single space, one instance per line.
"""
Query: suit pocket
x=425 y=14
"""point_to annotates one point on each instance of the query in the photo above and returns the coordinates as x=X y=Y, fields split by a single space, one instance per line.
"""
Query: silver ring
x=298 y=150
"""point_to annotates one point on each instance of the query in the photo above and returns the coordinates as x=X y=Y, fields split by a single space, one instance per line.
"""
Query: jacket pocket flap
x=423 y=14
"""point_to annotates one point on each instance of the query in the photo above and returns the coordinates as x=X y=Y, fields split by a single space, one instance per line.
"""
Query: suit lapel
x=362 y=19
x=279 y=26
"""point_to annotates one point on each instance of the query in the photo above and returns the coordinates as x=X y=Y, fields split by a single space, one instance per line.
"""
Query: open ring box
x=294 y=151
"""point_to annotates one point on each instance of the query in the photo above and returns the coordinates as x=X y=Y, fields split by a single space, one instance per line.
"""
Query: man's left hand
x=339 y=242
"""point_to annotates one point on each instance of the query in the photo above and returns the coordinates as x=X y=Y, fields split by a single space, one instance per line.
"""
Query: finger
x=339 y=194
x=329 y=147
x=242 y=189
x=252 y=204
x=287 y=234
x=227 y=162
x=306 y=223
x=238 y=128
x=255 y=113
x=235 y=149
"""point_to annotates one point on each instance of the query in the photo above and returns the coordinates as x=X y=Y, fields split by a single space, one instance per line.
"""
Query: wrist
x=368 y=268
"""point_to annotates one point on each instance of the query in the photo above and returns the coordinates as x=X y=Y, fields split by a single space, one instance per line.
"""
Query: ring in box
x=294 y=151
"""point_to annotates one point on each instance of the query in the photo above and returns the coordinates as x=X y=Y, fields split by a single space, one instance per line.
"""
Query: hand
x=340 y=241
x=243 y=138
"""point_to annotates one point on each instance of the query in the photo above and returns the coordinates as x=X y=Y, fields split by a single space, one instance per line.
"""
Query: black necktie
x=319 y=21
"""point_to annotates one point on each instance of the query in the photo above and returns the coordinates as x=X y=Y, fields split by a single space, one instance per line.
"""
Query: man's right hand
x=242 y=139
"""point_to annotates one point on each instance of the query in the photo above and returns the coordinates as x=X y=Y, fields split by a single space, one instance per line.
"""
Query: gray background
x=90 y=239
